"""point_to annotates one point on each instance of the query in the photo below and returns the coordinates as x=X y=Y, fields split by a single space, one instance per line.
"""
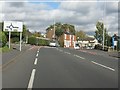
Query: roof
x=88 y=39
x=68 y=33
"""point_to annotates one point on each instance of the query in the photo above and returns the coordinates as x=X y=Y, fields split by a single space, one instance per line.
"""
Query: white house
x=88 y=42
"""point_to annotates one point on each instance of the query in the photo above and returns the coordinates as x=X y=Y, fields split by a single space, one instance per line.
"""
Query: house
x=88 y=42
x=50 y=34
x=69 y=40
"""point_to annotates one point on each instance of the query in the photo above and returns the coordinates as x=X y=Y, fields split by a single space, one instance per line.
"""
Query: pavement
x=6 y=57
x=51 y=67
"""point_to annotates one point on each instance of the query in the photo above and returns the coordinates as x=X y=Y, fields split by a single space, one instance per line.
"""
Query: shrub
x=32 y=40
x=15 y=39
x=3 y=38
x=43 y=42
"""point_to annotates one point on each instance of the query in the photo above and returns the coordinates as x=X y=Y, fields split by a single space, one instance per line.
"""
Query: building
x=50 y=34
x=69 y=40
x=88 y=42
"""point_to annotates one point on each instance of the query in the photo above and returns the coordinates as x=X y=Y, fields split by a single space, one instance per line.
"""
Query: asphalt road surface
x=49 y=67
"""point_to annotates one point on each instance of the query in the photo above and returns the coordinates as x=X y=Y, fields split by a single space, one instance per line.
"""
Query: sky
x=37 y=15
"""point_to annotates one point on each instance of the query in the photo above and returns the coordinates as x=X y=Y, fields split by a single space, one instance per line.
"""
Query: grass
x=4 y=49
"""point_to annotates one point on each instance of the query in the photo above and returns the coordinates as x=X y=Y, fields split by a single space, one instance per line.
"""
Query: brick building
x=69 y=40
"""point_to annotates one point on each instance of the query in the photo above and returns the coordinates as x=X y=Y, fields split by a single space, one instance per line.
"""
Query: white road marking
x=30 y=84
x=67 y=52
x=79 y=56
x=38 y=51
x=37 y=55
x=61 y=50
x=35 y=61
x=103 y=66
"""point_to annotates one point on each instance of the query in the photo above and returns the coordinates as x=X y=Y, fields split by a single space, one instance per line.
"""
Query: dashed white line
x=37 y=55
x=35 y=61
x=61 y=50
x=30 y=84
x=103 y=66
x=67 y=52
x=79 y=56
x=38 y=51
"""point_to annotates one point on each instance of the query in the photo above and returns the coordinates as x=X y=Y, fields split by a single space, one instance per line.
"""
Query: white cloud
x=84 y=15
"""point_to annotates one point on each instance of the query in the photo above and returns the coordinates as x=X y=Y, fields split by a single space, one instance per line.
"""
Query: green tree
x=61 y=28
x=99 y=32
x=3 y=38
x=81 y=34
x=37 y=34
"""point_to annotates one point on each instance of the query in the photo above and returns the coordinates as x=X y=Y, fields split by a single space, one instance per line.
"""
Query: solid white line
x=103 y=66
x=37 y=55
x=30 y=84
x=35 y=61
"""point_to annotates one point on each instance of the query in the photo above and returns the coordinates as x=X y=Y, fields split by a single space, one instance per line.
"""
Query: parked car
x=77 y=46
x=53 y=44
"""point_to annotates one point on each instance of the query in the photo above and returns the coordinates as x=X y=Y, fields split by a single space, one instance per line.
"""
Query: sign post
x=20 y=40
x=13 y=26
x=113 y=43
x=9 y=39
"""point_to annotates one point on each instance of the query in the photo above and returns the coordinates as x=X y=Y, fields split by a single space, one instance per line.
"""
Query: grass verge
x=4 y=49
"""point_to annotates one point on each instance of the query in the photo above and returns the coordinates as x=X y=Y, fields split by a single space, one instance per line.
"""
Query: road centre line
x=30 y=84
x=38 y=51
x=37 y=55
x=61 y=50
x=79 y=56
x=67 y=52
x=103 y=66
x=35 y=62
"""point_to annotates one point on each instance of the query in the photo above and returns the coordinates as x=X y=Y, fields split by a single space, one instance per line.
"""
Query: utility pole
x=54 y=31
x=104 y=12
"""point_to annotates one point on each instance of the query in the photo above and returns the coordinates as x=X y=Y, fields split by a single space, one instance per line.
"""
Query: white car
x=77 y=46
x=52 y=44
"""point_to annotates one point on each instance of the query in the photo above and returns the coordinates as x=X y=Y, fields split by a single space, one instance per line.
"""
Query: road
x=49 y=67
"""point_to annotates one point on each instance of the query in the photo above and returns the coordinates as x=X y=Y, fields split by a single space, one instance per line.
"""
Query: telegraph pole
x=54 y=30
x=104 y=13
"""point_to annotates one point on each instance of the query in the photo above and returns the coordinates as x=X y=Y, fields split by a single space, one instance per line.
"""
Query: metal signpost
x=13 y=26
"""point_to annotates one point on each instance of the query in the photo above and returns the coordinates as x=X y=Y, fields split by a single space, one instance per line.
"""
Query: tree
x=61 y=28
x=37 y=34
x=99 y=32
x=81 y=34
x=3 y=38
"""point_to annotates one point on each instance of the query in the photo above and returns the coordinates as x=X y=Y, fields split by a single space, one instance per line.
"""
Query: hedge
x=34 y=41
x=3 y=38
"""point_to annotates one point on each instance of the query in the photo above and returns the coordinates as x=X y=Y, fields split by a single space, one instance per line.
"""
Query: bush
x=43 y=42
x=100 y=47
x=32 y=40
x=3 y=39
x=15 y=39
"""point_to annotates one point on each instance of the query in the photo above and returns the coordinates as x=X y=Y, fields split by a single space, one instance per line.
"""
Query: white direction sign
x=13 y=26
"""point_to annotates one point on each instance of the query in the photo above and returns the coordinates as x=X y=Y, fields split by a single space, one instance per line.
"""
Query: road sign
x=13 y=26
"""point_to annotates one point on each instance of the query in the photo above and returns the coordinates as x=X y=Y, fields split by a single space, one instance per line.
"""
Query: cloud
x=84 y=15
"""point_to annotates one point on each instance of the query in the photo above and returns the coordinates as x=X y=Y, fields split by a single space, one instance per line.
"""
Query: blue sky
x=53 y=4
